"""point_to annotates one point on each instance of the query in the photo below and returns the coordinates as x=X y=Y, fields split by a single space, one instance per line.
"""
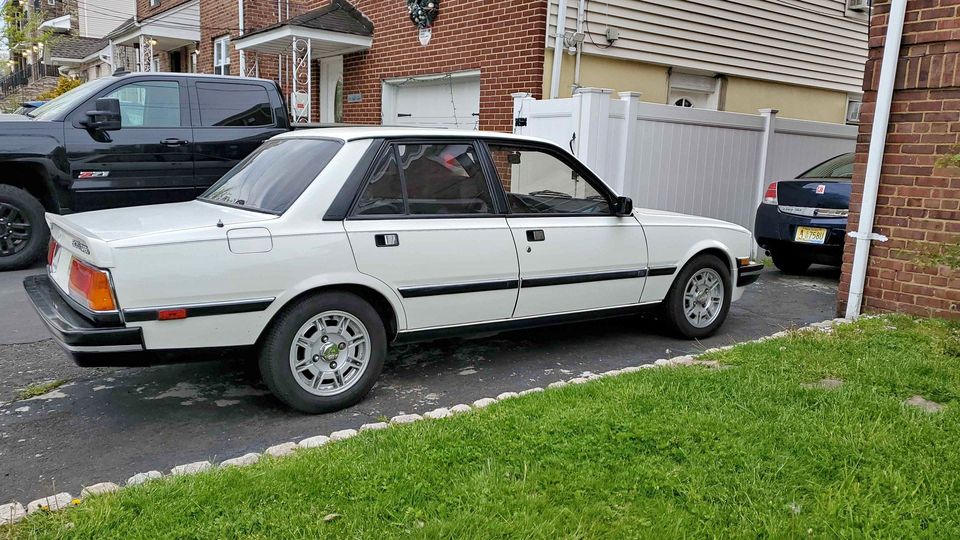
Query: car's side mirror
x=106 y=116
x=623 y=206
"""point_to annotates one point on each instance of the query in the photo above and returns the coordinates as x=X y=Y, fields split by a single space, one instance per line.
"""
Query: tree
x=22 y=27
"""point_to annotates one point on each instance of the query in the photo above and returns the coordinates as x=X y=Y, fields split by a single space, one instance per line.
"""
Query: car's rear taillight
x=90 y=287
x=51 y=251
x=770 y=197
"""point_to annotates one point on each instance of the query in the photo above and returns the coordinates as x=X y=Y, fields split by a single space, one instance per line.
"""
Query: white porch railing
x=695 y=161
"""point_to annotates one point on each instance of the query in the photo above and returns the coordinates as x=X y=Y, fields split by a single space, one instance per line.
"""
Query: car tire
x=21 y=214
x=790 y=263
x=682 y=307
x=300 y=363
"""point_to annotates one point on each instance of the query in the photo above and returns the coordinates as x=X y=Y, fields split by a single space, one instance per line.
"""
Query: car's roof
x=162 y=74
x=375 y=132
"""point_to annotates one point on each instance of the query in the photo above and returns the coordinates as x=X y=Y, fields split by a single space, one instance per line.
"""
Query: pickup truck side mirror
x=623 y=206
x=106 y=116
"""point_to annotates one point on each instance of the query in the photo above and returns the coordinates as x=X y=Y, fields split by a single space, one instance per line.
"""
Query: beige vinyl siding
x=99 y=18
x=802 y=42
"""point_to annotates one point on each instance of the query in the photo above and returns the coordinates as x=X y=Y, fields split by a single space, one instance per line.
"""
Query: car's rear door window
x=840 y=167
x=233 y=105
x=274 y=175
x=438 y=179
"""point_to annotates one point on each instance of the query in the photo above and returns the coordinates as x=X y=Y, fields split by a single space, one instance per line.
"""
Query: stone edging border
x=14 y=512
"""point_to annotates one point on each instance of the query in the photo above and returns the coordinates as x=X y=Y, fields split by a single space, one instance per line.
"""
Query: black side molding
x=198 y=310
x=662 y=271
x=748 y=274
x=582 y=278
x=435 y=290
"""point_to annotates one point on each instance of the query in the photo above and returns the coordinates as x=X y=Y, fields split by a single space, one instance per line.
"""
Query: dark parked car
x=28 y=106
x=803 y=221
x=125 y=140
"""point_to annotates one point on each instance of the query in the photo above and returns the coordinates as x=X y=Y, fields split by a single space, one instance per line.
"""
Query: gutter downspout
x=581 y=7
x=558 y=49
x=878 y=138
x=243 y=63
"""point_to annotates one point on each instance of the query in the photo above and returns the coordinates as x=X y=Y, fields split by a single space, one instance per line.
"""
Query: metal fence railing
x=22 y=77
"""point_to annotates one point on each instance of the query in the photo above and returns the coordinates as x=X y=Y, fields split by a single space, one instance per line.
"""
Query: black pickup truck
x=125 y=140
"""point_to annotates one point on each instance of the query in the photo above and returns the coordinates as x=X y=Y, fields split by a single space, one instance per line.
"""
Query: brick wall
x=144 y=9
x=918 y=206
x=504 y=40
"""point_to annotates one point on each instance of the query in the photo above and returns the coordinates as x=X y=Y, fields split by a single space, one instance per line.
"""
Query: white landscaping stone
x=481 y=403
x=633 y=369
x=11 y=513
x=52 y=503
x=661 y=362
x=374 y=426
x=460 y=408
x=99 y=489
x=578 y=380
x=529 y=391
x=140 y=478
x=557 y=384
x=282 y=449
x=242 y=461
x=507 y=395
x=436 y=414
x=611 y=373
x=343 y=434
x=405 y=418
x=315 y=442
x=191 y=468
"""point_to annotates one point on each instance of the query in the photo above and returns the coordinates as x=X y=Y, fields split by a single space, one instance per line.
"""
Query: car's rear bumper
x=89 y=343
x=777 y=230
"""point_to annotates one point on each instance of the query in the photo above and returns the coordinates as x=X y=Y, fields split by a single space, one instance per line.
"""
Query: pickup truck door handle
x=173 y=141
x=535 y=235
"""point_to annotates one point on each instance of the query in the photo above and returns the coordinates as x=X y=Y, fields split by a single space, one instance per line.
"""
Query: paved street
x=108 y=424
x=18 y=322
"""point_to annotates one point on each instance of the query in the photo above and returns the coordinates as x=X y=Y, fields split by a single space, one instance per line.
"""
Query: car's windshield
x=274 y=175
x=838 y=167
x=68 y=100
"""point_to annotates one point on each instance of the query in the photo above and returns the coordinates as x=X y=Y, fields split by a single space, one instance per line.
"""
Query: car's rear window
x=838 y=167
x=274 y=175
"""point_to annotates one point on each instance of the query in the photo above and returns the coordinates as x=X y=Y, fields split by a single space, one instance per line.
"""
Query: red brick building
x=918 y=206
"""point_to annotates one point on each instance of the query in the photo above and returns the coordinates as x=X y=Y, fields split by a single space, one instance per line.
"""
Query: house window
x=698 y=91
x=154 y=3
x=221 y=56
x=853 y=110
x=155 y=64
x=51 y=2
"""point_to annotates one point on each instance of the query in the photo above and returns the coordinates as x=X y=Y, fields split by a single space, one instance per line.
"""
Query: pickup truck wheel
x=325 y=353
x=790 y=263
x=699 y=299
x=23 y=229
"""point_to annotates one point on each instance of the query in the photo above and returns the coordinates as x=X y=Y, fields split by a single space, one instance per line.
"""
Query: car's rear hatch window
x=274 y=175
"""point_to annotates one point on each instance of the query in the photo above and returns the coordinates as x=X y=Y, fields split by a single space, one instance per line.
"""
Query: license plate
x=811 y=235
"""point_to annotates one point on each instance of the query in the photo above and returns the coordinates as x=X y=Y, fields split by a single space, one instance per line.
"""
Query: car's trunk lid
x=814 y=193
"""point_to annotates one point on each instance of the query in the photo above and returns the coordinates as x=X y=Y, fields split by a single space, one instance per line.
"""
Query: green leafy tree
x=22 y=27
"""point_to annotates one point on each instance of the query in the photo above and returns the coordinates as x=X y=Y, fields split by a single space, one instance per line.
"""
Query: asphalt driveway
x=107 y=424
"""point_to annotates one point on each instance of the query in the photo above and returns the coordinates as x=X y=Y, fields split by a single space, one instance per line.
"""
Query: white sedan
x=323 y=247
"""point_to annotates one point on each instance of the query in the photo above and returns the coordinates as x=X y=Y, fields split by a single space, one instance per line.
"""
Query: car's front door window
x=537 y=182
x=149 y=104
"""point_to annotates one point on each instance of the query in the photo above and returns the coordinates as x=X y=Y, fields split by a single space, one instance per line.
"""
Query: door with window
x=426 y=223
x=574 y=253
x=230 y=121
x=148 y=161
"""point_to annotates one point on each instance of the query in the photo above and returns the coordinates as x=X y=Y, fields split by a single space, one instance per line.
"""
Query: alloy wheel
x=703 y=298
x=14 y=230
x=330 y=353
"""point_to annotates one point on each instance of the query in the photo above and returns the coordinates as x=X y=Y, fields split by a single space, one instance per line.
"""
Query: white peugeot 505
x=323 y=247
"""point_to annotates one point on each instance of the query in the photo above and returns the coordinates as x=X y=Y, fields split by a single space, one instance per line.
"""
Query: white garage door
x=446 y=102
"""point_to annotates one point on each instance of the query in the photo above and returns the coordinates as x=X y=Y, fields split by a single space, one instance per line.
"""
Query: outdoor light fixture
x=152 y=42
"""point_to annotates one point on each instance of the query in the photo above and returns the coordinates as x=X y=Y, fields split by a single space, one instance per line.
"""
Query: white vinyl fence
x=694 y=161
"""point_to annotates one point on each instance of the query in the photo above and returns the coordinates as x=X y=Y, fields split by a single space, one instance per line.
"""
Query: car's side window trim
x=390 y=145
x=564 y=158
x=185 y=116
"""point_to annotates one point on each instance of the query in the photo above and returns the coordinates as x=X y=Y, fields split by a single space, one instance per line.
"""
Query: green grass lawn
x=745 y=451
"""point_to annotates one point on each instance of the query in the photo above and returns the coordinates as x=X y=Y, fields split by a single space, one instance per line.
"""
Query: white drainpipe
x=878 y=138
x=558 y=49
x=243 y=64
x=581 y=8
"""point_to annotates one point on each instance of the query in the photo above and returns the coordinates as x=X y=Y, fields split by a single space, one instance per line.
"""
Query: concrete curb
x=14 y=511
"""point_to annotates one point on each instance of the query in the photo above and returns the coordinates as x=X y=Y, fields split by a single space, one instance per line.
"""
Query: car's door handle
x=387 y=240
x=535 y=235
x=173 y=141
